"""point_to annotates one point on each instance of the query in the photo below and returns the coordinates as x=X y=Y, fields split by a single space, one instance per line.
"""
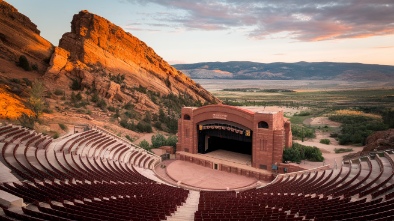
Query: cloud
x=383 y=47
x=304 y=20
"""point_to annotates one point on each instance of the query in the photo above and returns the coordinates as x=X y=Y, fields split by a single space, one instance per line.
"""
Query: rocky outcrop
x=380 y=140
x=19 y=36
x=96 y=50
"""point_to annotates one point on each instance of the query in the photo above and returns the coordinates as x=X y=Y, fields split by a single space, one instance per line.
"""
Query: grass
x=326 y=99
x=343 y=150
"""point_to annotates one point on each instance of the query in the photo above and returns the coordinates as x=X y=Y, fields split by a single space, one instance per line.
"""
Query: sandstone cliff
x=19 y=36
x=96 y=51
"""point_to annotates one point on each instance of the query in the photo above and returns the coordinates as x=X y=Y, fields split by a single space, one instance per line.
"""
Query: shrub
x=111 y=108
x=157 y=125
x=158 y=140
x=117 y=78
x=95 y=98
x=129 y=138
x=78 y=96
x=144 y=144
x=34 y=67
x=27 y=121
x=172 y=140
x=357 y=127
x=102 y=104
x=55 y=135
x=291 y=154
x=128 y=106
x=27 y=81
x=343 y=150
x=303 y=113
x=24 y=63
x=300 y=132
x=325 y=141
x=144 y=127
x=58 y=92
x=76 y=85
x=63 y=126
x=47 y=110
x=300 y=152
x=15 y=80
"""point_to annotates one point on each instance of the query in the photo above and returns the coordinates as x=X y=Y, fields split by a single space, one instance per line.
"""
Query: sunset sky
x=264 y=31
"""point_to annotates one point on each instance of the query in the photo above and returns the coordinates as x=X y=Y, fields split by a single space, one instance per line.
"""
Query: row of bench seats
x=361 y=189
x=75 y=178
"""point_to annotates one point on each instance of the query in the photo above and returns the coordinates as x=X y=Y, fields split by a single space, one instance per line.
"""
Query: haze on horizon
x=192 y=31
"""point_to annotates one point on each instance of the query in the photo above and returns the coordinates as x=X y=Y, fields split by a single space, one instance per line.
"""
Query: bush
x=63 y=126
x=95 y=98
x=300 y=152
x=303 y=113
x=343 y=150
x=15 y=80
x=24 y=63
x=144 y=144
x=172 y=140
x=356 y=128
x=117 y=78
x=58 y=92
x=101 y=104
x=157 y=125
x=144 y=127
x=129 y=138
x=27 y=81
x=300 y=132
x=291 y=154
x=128 y=106
x=158 y=140
x=76 y=85
x=325 y=141
x=27 y=121
x=55 y=135
x=34 y=67
x=111 y=108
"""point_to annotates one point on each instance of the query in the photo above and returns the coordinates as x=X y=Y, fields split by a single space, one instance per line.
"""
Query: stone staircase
x=187 y=210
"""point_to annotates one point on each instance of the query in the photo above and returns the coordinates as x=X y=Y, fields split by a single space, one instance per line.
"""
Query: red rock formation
x=380 y=140
x=96 y=49
x=19 y=36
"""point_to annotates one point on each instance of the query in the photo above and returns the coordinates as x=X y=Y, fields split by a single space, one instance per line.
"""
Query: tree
x=171 y=141
x=36 y=99
x=158 y=140
x=291 y=154
x=144 y=144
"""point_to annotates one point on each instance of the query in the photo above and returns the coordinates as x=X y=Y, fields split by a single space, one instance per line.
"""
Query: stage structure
x=261 y=134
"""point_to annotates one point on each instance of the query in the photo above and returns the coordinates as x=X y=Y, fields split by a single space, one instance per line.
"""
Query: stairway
x=187 y=210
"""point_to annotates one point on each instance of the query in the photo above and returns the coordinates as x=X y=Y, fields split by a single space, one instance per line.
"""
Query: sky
x=191 y=31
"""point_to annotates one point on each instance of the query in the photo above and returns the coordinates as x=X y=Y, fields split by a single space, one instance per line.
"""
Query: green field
x=315 y=99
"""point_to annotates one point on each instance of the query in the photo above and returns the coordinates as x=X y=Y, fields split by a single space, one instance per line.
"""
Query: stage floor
x=234 y=157
x=200 y=177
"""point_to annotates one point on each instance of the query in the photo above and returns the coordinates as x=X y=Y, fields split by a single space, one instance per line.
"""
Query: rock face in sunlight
x=102 y=56
x=19 y=36
x=11 y=106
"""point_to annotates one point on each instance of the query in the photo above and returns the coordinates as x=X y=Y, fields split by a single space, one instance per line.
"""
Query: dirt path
x=328 y=151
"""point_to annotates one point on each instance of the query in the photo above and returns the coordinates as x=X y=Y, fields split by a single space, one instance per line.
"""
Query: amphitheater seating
x=92 y=176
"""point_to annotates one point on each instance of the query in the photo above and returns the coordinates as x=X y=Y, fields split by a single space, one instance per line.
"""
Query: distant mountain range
x=288 y=71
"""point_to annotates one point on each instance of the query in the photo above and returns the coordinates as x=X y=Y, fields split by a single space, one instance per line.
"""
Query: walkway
x=187 y=210
x=200 y=177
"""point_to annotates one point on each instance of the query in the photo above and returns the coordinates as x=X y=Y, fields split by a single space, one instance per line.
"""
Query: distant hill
x=288 y=71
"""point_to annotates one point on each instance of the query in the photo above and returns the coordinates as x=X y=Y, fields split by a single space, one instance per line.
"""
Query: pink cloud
x=304 y=20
